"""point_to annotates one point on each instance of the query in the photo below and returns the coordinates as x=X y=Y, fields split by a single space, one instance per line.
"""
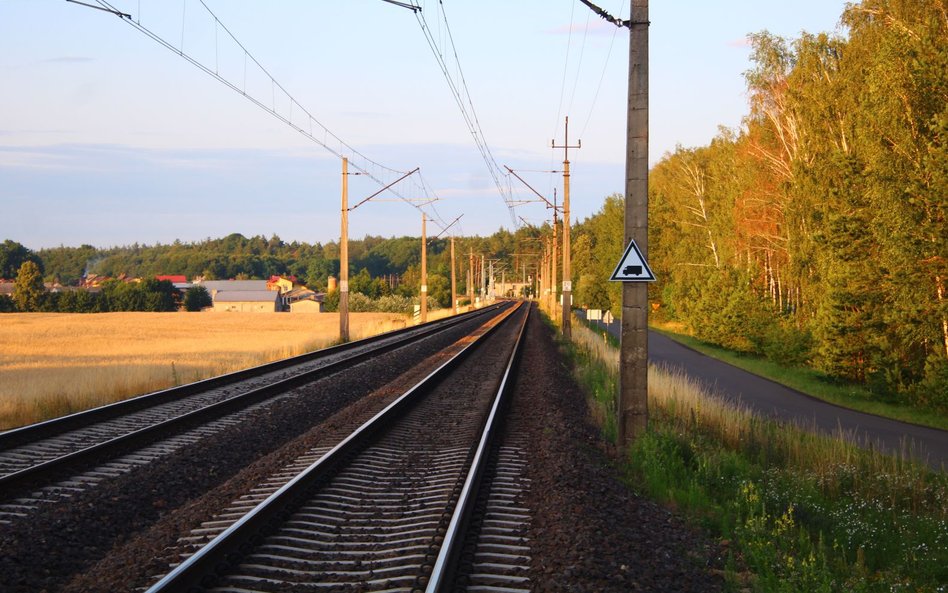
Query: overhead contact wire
x=326 y=132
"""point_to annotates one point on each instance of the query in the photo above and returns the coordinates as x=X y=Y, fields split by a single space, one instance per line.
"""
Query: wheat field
x=53 y=364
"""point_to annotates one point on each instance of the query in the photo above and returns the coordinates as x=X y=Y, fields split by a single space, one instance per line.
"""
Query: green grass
x=813 y=383
x=794 y=511
x=797 y=529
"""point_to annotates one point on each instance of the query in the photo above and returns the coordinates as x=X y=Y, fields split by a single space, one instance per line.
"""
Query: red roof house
x=174 y=279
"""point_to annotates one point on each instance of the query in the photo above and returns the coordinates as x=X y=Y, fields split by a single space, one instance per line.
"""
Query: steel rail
x=226 y=549
x=34 y=474
x=48 y=428
x=62 y=424
x=444 y=572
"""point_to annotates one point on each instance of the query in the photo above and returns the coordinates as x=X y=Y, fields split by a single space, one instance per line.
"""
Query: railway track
x=422 y=497
x=395 y=506
x=53 y=460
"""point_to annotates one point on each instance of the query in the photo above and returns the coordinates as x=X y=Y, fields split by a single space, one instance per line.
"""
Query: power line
x=602 y=77
x=463 y=99
x=569 y=44
x=579 y=65
x=306 y=124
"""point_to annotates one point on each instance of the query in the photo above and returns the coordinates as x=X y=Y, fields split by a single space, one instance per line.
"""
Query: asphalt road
x=773 y=400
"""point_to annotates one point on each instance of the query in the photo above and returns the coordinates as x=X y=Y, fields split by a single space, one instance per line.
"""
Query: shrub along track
x=587 y=531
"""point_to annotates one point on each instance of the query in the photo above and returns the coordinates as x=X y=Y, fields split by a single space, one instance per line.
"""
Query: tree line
x=379 y=268
x=818 y=232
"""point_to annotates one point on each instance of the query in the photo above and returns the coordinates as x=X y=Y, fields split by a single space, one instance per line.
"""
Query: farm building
x=229 y=285
x=283 y=285
x=302 y=299
x=247 y=301
x=180 y=281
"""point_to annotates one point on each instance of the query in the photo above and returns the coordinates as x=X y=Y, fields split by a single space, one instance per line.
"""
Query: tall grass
x=56 y=364
x=796 y=511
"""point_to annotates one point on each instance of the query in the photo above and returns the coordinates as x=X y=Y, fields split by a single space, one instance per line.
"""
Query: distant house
x=174 y=278
x=247 y=301
x=213 y=286
x=304 y=300
x=283 y=283
x=309 y=306
x=227 y=295
x=179 y=281
x=280 y=284
x=57 y=287
x=6 y=288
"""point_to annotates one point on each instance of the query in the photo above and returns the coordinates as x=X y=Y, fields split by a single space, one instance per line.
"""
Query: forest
x=818 y=232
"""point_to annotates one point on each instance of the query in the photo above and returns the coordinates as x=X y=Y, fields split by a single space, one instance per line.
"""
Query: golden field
x=53 y=364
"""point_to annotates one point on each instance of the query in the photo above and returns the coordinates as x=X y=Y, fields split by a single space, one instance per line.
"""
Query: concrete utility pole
x=482 y=283
x=633 y=379
x=454 y=286
x=567 y=277
x=490 y=280
x=424 y=270
x=541 y=272
x=470 y=278
x=344 y=257
x=344 y=246
x=553 y=262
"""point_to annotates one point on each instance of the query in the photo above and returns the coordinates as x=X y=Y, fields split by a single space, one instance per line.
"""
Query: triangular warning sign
x=632 y=266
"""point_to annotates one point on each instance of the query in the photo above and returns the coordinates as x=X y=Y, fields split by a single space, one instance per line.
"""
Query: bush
x=729 y=314
x=196 y=298
x=331 y=302
x=932 y=390
x=360 y=303
x=786 y=344
x=395 y=304
x=77 y=301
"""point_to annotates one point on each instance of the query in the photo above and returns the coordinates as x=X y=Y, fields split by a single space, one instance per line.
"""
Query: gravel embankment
x=590 y=532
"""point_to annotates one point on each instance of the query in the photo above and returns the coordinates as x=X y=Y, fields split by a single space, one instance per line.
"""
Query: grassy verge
x=811 y=382
x=797 y=512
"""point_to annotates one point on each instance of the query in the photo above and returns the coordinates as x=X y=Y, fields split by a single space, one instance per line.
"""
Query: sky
x=109 y=138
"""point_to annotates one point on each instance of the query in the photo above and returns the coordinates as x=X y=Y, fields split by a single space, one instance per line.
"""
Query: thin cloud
x=69 y=60
x=739 y=43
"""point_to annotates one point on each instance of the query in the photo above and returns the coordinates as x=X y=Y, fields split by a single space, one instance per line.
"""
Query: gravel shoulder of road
x=590 y=531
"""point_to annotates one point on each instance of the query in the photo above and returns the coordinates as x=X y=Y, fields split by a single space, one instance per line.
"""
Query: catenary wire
x=602 y=77
x=463 y=99
x=329 y=140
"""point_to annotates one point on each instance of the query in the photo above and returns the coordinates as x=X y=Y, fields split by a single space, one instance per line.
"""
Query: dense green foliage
x=29 y=295
x=28 y=289
x=12 y=256
x=818 y=232
x=113 y=296
x=197 y=298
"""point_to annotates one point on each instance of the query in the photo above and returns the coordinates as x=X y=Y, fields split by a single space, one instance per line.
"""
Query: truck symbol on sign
x=632 y=271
